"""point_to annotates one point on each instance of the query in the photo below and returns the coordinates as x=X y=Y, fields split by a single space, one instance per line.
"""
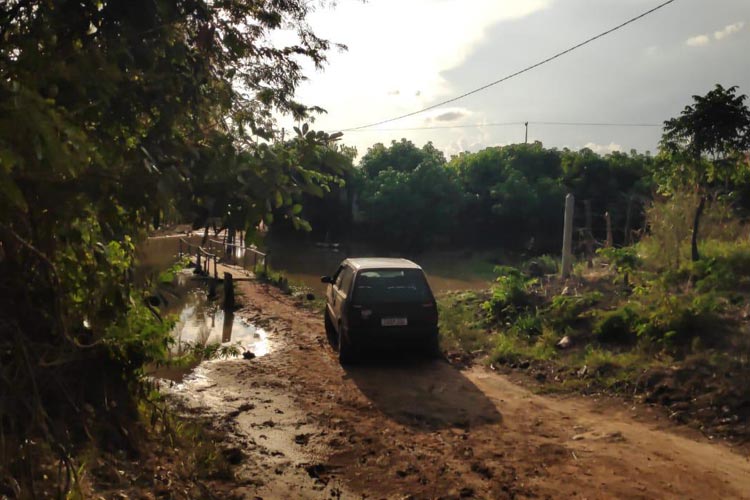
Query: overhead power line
x=510 y=124
x=517 y=73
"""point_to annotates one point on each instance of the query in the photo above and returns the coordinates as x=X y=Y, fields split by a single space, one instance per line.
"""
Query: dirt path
x=306 y=428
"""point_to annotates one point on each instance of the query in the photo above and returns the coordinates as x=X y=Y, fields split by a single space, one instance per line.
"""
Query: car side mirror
x=326 y=279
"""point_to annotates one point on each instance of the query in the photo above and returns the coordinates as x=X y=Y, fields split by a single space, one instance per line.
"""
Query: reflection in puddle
x=203 y=322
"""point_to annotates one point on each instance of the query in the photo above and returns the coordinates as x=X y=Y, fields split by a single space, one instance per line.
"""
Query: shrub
x=566 y=310
x=617 y=327
x=624 y=260
x=510 y=293
x=527 y=325
x=676 y=320
x=542 y=265
x=670 y=227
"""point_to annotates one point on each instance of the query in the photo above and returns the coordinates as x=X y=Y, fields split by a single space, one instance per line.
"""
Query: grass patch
x=461 y=322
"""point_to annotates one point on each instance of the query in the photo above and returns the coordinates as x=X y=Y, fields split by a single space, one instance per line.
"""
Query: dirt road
x=303 y=427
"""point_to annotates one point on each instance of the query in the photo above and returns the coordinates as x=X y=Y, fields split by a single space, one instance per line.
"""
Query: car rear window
x=391 y=285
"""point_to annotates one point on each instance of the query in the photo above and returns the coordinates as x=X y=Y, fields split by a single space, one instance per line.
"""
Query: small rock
x=248 y=355
x=578 y=437
x=564 y=342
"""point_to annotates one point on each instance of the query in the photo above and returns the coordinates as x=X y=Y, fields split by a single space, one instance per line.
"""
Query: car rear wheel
x=346 y=351
x=330 y=330
x=433 y=348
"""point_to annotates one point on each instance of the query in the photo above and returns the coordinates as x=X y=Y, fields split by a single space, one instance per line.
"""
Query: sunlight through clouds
x=397 y=52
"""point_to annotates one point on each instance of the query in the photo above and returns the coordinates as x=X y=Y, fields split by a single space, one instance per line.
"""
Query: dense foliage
x=113 y=114
x=409 y=199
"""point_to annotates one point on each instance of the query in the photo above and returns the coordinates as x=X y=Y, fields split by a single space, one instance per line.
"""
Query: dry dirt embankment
x=304 y=427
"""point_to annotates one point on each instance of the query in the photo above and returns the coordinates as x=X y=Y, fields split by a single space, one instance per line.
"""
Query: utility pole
x=526 y=139
x=567 y=250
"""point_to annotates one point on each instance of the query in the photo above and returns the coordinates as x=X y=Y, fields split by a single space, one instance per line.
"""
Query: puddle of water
x=202 y=322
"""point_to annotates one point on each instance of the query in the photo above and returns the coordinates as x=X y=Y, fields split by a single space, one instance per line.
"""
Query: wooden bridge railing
x=230 y=248
x=187 y=248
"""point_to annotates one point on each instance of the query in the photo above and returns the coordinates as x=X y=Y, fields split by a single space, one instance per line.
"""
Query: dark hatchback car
x=373 y=303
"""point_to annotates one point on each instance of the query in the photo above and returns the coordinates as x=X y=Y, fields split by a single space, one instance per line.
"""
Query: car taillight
x=431 y=309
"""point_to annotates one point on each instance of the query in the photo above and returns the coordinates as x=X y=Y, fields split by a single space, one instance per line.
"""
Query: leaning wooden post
x=589 y=235
x=198 y=265
x=610 y=238
x=228 y=292
x=216 y=268
x=567 y=250
x=628 y=217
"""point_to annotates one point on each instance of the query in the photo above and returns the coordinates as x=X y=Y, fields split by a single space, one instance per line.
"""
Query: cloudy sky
x=408 y=54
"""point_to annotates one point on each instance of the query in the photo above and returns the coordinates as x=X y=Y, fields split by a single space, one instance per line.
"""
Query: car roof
x=381 y=263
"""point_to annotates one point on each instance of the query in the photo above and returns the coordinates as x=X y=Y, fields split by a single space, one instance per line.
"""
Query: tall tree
x=702 y=148
x=112 y=111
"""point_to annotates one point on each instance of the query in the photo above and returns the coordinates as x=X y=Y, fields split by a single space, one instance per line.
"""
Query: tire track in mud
x=410 y=428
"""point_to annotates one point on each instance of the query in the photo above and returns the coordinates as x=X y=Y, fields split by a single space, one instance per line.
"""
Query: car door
x=332 y=298
x=340 y=291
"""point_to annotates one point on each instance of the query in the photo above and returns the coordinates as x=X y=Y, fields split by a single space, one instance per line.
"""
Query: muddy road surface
x=300 y=426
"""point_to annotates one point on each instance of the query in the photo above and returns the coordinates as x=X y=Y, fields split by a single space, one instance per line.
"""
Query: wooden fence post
x=589 y=235
x=228 y=292
x=567 y=250
x=610 y=238
x=628 y=218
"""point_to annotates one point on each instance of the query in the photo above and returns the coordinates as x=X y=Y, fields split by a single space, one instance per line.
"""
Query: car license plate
x=394 y=322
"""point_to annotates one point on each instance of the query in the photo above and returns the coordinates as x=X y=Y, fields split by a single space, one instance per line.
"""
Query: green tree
x=111 y=113
x=401 y=156
x=702 y=149
x=410 y=210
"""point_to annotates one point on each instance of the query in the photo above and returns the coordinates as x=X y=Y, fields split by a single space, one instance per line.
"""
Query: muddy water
x=201 y=322
x=154 y=255
x=307 y=263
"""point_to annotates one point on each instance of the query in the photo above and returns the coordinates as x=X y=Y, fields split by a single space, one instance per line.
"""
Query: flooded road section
x=306 y=263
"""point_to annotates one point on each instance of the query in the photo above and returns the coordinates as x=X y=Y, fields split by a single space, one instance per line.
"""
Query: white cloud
x=603 y=149
x=698 y=41
x=397 y=44
x=729 y=30
x=703 y=40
